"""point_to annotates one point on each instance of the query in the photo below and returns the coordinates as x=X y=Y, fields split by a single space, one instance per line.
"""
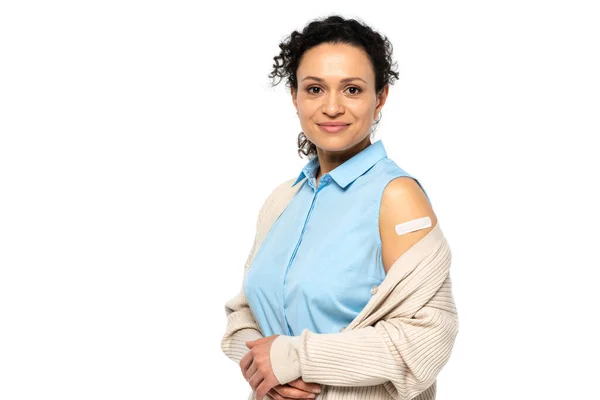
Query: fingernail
x=312 y=396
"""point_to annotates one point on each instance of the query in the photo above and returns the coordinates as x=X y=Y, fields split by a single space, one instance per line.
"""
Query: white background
x=139 y=139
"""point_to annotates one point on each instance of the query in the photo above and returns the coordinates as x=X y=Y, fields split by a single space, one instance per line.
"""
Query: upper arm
x=402 y=200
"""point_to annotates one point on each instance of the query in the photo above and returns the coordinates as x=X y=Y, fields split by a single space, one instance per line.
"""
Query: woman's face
x=326 y=93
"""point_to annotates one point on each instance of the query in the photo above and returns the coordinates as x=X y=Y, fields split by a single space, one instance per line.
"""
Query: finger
x=255 y=381
x=263 y=388
x=290 y=392
x=306 y=386
x=267 y=397
x=250 y=371
x=252 y=343
x=274 y=395
x=245 y=362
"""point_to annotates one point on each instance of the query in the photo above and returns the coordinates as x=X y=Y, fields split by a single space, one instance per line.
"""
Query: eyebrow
x=343 y=80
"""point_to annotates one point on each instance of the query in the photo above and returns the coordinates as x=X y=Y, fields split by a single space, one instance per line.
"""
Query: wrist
x=284 y=358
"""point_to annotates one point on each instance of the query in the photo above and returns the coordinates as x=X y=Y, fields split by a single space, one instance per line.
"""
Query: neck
x=329 y=160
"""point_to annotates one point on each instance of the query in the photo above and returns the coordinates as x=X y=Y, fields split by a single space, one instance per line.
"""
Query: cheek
x=361 y=110
x=308 y=114
x=308 y=107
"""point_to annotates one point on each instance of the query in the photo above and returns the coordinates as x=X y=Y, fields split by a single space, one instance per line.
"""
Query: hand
x=256 y=366
x=296 y=389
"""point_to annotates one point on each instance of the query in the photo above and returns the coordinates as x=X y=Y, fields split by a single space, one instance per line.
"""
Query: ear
x=381 y=98
x=294 y=100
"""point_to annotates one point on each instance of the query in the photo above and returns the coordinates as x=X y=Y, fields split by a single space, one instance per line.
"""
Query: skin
x=328 y=98
x=256 y=368
x=402 y=200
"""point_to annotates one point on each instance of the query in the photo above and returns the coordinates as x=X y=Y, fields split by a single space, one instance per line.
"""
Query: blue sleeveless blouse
x=321 y=260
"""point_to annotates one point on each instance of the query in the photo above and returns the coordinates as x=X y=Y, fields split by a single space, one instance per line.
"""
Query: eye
x=357 y=89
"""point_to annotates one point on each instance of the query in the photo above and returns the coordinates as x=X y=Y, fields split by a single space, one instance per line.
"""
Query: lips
x=333 y=128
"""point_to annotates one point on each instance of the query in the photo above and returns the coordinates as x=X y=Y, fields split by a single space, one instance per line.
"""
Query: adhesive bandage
x=414 y=225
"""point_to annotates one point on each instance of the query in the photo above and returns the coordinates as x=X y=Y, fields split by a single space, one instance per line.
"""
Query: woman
x=309 y=320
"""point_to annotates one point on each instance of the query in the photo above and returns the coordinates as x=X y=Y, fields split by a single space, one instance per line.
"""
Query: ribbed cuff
x=284 y=358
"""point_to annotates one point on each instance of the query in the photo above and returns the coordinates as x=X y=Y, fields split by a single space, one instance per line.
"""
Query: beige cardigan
x=394 y=348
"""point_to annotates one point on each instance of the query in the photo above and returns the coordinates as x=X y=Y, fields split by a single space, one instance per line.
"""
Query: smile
x=333 y=128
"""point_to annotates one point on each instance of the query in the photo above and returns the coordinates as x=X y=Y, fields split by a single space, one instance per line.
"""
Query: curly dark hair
x=333 y=29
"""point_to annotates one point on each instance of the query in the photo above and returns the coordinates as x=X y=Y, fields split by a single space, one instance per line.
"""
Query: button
x=374 y=289
x=342 y=328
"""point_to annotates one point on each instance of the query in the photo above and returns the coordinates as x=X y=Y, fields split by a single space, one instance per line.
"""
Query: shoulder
x=402 y=200
x=281 y=193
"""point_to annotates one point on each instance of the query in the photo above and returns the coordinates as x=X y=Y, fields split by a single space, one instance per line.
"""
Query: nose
x=332 y=104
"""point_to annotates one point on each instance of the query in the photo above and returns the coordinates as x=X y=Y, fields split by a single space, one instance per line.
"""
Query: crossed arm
x=405 y=350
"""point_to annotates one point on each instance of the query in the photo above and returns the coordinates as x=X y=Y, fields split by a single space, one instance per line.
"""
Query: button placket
x=289 y=332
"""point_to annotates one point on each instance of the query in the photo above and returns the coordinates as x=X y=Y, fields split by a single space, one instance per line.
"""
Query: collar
x=350 y=169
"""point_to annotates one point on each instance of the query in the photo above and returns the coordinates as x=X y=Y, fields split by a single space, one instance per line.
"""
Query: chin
x=332 y=142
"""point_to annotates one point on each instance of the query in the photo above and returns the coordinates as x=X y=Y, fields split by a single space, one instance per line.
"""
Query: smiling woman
x=340 y=75
x=336 y=301
x=336 y=86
